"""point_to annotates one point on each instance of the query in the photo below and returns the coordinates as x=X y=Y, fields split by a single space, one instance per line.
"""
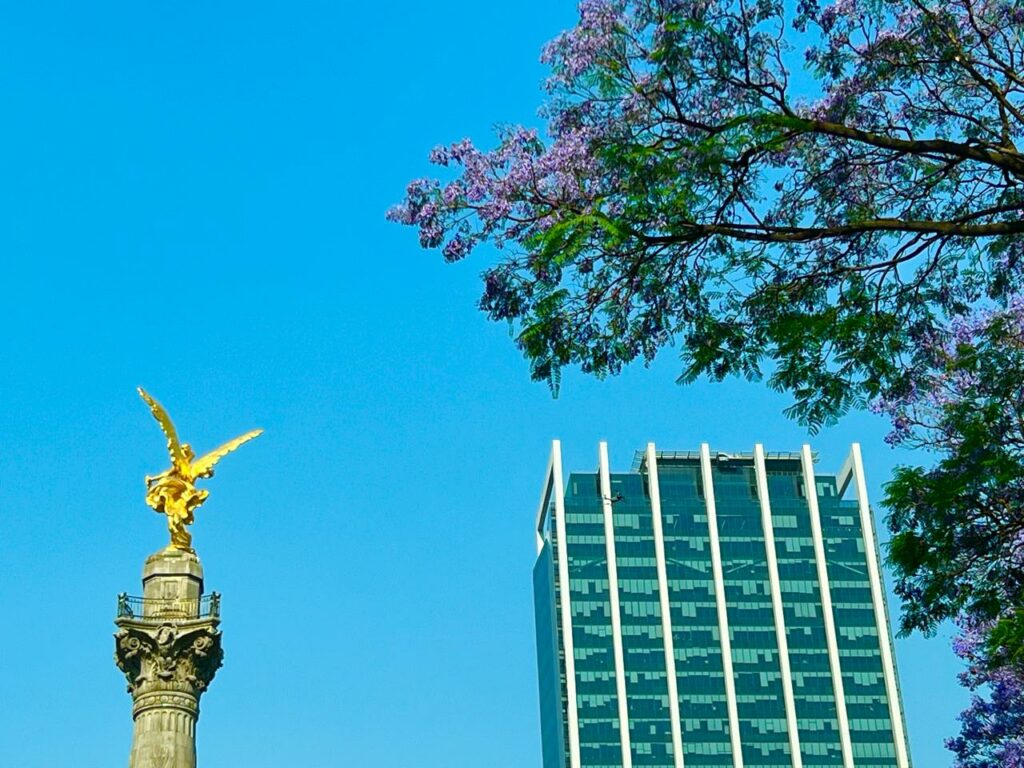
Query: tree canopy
x=992 y=727
x=803 y=193
x=958 y=527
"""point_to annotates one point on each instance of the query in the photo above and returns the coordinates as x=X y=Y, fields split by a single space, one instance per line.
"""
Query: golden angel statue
x=173 y=492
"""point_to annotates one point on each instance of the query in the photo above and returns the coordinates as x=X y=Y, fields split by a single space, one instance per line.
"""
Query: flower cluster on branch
x=958 y=526
x=690 y=188
x=992 y=727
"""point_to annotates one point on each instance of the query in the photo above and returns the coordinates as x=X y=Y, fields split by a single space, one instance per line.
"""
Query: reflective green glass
x=643 y=643
x=697 y=646
x=817 y=721
x=867 y=704
x=697 y=643
x=759 y=694
x=594 y=653
x=550 y=674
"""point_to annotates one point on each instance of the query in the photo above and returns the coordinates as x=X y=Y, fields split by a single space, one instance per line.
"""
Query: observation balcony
x=151 y=609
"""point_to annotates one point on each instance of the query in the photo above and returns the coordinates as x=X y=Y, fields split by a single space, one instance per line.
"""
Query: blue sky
x=192 y=199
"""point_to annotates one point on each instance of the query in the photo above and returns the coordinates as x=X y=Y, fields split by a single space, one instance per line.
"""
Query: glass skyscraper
x=713 y=610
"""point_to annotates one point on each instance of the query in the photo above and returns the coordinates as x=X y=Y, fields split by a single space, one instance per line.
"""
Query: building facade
x=708 y=610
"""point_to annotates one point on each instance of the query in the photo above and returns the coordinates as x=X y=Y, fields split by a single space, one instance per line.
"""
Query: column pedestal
x=169 y=648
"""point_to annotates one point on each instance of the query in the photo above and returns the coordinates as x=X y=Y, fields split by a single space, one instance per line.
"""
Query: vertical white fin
x=723 y=617
x=564 y=593
x=811 y=493
x=613 y=598
x=780 y=616
x=878 y=599
x=666 y=613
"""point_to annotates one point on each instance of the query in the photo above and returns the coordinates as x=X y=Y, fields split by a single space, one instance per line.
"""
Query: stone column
x=168 y=646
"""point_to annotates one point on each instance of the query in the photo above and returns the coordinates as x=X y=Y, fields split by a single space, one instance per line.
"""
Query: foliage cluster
x=691 y=188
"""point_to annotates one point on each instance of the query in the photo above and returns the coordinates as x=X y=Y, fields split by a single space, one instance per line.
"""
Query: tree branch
x=767 y=234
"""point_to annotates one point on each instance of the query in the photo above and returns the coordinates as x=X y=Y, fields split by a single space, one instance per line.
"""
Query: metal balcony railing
x=154 y=609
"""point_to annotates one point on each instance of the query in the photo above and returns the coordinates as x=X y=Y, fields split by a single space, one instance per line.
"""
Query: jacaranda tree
x=817 y=192
x=958 y=527
x=992 y=727
x=799 y=194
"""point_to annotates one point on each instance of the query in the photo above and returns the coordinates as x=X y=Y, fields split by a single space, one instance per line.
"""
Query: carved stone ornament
x=168 y=657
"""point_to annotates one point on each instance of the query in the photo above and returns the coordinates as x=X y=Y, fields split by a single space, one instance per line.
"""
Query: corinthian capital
x=168 y=657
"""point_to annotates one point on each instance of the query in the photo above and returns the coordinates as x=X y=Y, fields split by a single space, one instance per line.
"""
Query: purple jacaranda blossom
x=577 y=51
x=825 y=195
x=921 y=408
x=456 y=248
x=992 y=727
x=964 y=401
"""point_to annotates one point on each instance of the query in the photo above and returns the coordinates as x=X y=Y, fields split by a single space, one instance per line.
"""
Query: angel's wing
x=203 y=467
x=178 y=459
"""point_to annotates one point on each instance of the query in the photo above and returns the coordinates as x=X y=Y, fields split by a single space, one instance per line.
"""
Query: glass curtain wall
x=697 y=645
